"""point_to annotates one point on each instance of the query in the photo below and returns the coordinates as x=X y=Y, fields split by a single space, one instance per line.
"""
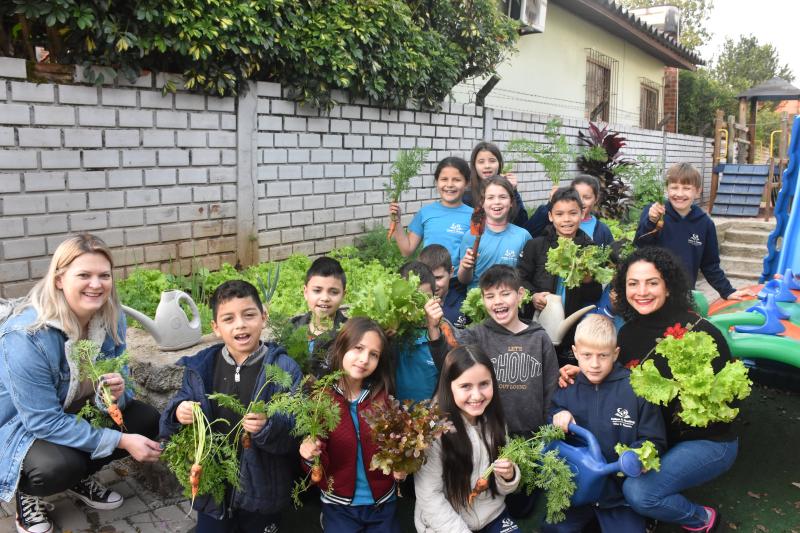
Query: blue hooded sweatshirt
x=693 y=239
x=614 y=414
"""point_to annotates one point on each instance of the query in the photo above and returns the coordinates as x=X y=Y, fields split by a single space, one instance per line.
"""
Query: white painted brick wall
x=156 y=175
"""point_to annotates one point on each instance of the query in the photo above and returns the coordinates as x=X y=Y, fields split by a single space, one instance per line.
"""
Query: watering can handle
x=195 y=321
x=590 y=440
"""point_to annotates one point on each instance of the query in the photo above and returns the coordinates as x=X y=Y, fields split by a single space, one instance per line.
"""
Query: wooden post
x=719 y=124
x=751 y=132
x=733 y=145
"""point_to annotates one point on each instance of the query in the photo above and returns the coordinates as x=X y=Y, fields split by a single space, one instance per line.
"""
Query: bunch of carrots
x=84 y=353
x=273 y=374
x=316 y=414
x=538 y=469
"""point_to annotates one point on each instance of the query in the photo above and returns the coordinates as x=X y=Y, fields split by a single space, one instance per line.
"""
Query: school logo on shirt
x=694 y=240
x=507 y=525
x=455 y=227
x=622 y=418
x=510 y=255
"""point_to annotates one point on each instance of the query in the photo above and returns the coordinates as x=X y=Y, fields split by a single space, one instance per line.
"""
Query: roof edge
x=619 y=21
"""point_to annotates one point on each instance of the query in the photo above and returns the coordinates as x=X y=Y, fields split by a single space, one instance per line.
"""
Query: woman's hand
x=310 y=449
x=140 y=447
x=254 y=422
x=740 y=294
x=115 y=383
x=540 y=300
x=566 y=375
x=399 y=476
x=563 y=419
x=504 y=469
x=394 y=211
x=183 y=413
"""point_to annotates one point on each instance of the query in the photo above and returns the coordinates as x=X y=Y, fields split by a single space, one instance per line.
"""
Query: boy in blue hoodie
x=687 y=230
x=237 y=367
x=602 y=401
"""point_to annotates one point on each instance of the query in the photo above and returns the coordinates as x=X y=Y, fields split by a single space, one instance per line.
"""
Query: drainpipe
x=488 y=113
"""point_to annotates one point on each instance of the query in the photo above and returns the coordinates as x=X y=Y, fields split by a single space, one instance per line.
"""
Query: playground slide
x=787 y=216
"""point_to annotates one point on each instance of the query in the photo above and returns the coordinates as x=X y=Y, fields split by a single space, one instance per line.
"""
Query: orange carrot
x=316 y=473
x=392 y=227
x=194 y=478
x=447 y=331
x=480 y=486
x=246 y=440
x=116 y=414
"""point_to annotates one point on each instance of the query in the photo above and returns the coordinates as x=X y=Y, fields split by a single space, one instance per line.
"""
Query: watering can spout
x=171 y=328
x=147 y=323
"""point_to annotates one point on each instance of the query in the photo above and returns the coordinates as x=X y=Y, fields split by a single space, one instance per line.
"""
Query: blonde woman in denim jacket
x=46 y=449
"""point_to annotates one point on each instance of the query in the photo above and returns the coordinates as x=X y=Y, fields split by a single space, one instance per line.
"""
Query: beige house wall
x=548 y=74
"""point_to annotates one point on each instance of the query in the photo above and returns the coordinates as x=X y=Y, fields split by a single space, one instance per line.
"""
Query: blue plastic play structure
x=765 y=333
x=590 y=467
x=787 y=217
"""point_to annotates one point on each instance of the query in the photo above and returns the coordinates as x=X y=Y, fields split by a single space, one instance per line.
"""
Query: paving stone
x=175 y=519
x=133 y=505
x=69 y=517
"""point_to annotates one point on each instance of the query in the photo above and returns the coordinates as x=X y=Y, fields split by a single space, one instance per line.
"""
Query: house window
x=649 y=104
x=601 y=86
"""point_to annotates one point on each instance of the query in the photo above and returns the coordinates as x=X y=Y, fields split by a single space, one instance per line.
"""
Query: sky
x=771 y=21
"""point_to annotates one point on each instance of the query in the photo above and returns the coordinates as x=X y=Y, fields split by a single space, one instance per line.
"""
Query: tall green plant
x=555 y=155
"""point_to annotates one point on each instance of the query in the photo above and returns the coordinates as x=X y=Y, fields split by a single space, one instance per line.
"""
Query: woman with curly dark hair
x=653 y=293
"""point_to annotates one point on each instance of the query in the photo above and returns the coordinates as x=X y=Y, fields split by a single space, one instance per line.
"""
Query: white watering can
x=552 y=319
x=171 y=328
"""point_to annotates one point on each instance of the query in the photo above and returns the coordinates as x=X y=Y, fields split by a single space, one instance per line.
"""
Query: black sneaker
x=32 y=514
x=95 y=495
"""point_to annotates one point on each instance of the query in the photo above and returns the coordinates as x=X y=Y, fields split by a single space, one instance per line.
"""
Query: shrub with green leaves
x=389 y=50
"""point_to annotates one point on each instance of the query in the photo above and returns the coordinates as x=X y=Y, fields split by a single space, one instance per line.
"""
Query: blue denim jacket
x=37 y=381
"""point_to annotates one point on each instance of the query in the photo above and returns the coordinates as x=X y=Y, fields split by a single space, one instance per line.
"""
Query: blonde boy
x=602 y=401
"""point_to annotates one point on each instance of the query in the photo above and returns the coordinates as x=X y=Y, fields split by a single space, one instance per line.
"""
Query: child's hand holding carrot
x=310 y=449
x=254 y=422
x=184 y=413
x=433 y=317
x=504 y=469
x=468 y=261
x=656 y=211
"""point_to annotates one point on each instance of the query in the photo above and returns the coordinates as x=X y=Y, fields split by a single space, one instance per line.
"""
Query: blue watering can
x=590 y=467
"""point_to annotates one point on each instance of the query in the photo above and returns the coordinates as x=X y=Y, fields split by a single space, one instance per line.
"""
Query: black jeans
x=52 y=468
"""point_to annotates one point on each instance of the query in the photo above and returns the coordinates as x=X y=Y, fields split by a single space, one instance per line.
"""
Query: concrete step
x=744 y=268
x=731 y=248
x=746 y=236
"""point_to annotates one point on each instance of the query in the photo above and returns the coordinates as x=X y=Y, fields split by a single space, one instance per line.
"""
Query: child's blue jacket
x=614 y=414
x=266 y=468
x=692 y=238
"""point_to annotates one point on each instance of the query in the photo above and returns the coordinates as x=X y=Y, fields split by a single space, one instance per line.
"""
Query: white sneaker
x=32 y=514
x=95 y=495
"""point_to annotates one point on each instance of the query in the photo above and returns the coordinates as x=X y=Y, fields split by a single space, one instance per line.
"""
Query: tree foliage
x=694 y=15
x=389 y=50
x=700 y=96
x=744 y=63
